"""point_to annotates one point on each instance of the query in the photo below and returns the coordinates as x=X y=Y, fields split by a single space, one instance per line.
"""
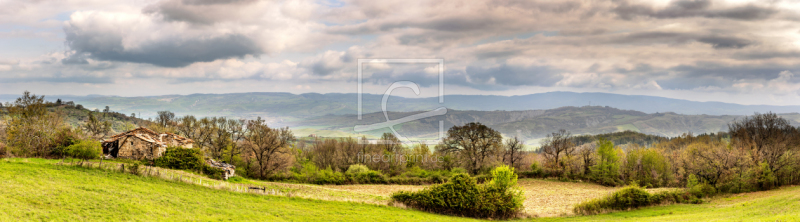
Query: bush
x=703 y=190
x=361 y=174
x=181 y=159
x=329 y=176
x=633 y=196
x=483 y=178
x=369 y=177
x=134 y=168
x=84 y=150
x=64 y=138
x=212 y=172
x=464 y=197
x=357 y=169
x=187 y=159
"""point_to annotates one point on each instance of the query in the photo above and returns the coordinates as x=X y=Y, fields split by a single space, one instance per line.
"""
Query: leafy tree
x=647 y=167
x=474 y=142
x=268 y=146
x=30 y=127
x=607 y=169
x=97 y=128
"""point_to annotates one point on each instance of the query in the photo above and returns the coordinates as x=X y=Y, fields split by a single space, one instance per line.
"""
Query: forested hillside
x=535 y=124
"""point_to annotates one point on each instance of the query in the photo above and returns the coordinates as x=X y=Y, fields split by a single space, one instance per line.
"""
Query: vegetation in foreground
x=38 y=190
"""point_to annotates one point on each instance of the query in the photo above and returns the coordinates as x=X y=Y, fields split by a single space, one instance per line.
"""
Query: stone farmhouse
x=142 y=143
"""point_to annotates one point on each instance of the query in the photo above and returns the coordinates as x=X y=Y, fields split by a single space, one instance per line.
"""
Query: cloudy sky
x=744 y=52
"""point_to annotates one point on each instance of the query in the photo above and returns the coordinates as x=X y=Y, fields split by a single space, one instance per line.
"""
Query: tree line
x=758 y=152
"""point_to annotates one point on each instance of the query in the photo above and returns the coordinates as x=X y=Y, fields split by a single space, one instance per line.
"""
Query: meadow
x=43 y=190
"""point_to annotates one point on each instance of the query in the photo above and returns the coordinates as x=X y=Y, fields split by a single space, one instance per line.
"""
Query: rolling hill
x=536 y=124
x=288 y=107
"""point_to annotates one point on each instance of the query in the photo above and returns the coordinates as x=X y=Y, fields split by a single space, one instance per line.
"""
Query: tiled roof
x=149 y=136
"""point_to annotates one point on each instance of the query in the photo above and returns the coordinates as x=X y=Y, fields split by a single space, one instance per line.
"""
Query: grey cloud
x=58 y=78
x=203 y=12
x=693 y=8
x=329 y=62
x=725 y=42
x=716 y=41
x=166 y=53
x=761 y=71
x=79 y=59
x=580 y=32
x=766 y=54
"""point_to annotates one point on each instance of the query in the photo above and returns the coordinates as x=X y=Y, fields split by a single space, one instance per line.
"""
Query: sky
x=745 y=52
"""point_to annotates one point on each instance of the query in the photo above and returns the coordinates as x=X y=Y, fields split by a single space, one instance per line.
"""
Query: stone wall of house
x=135 y=148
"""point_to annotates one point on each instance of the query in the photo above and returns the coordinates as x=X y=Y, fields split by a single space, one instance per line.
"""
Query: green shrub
x=64 y=138
x=356 y=169
x=84 y=150
x=702 y=190
x=462 y=196
x=329 y=176
x=134 y=168
x=458 y=170
x=483 y=178
x=212 y=172
x=369 y=177
x=181 y=159
x=187 y=159
x=633 y=196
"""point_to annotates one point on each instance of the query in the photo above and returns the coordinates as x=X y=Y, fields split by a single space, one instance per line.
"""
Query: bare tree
x=586 y=153
x=165 y=118
x=768 y=138
x=474 y=142
x=236 y=131
x=187 y=127
x=268 y=146
x=513 y=152
x=390 y=143
x=555 y=147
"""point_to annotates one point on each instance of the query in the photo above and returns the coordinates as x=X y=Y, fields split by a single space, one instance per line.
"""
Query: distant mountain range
x=536 y=124
x=287 y=105
x=528 y=116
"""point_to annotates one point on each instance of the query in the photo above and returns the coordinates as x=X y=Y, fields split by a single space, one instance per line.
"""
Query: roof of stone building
x=149 y=136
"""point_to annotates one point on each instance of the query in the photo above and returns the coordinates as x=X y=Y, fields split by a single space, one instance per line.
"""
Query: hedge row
x=463 y=196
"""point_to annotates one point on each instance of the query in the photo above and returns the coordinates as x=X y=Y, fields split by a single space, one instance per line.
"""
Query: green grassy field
x=37 y=190
x=40 y=190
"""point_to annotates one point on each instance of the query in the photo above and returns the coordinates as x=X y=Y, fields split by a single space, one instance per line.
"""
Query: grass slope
x=38 y=190
x=776 y=205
